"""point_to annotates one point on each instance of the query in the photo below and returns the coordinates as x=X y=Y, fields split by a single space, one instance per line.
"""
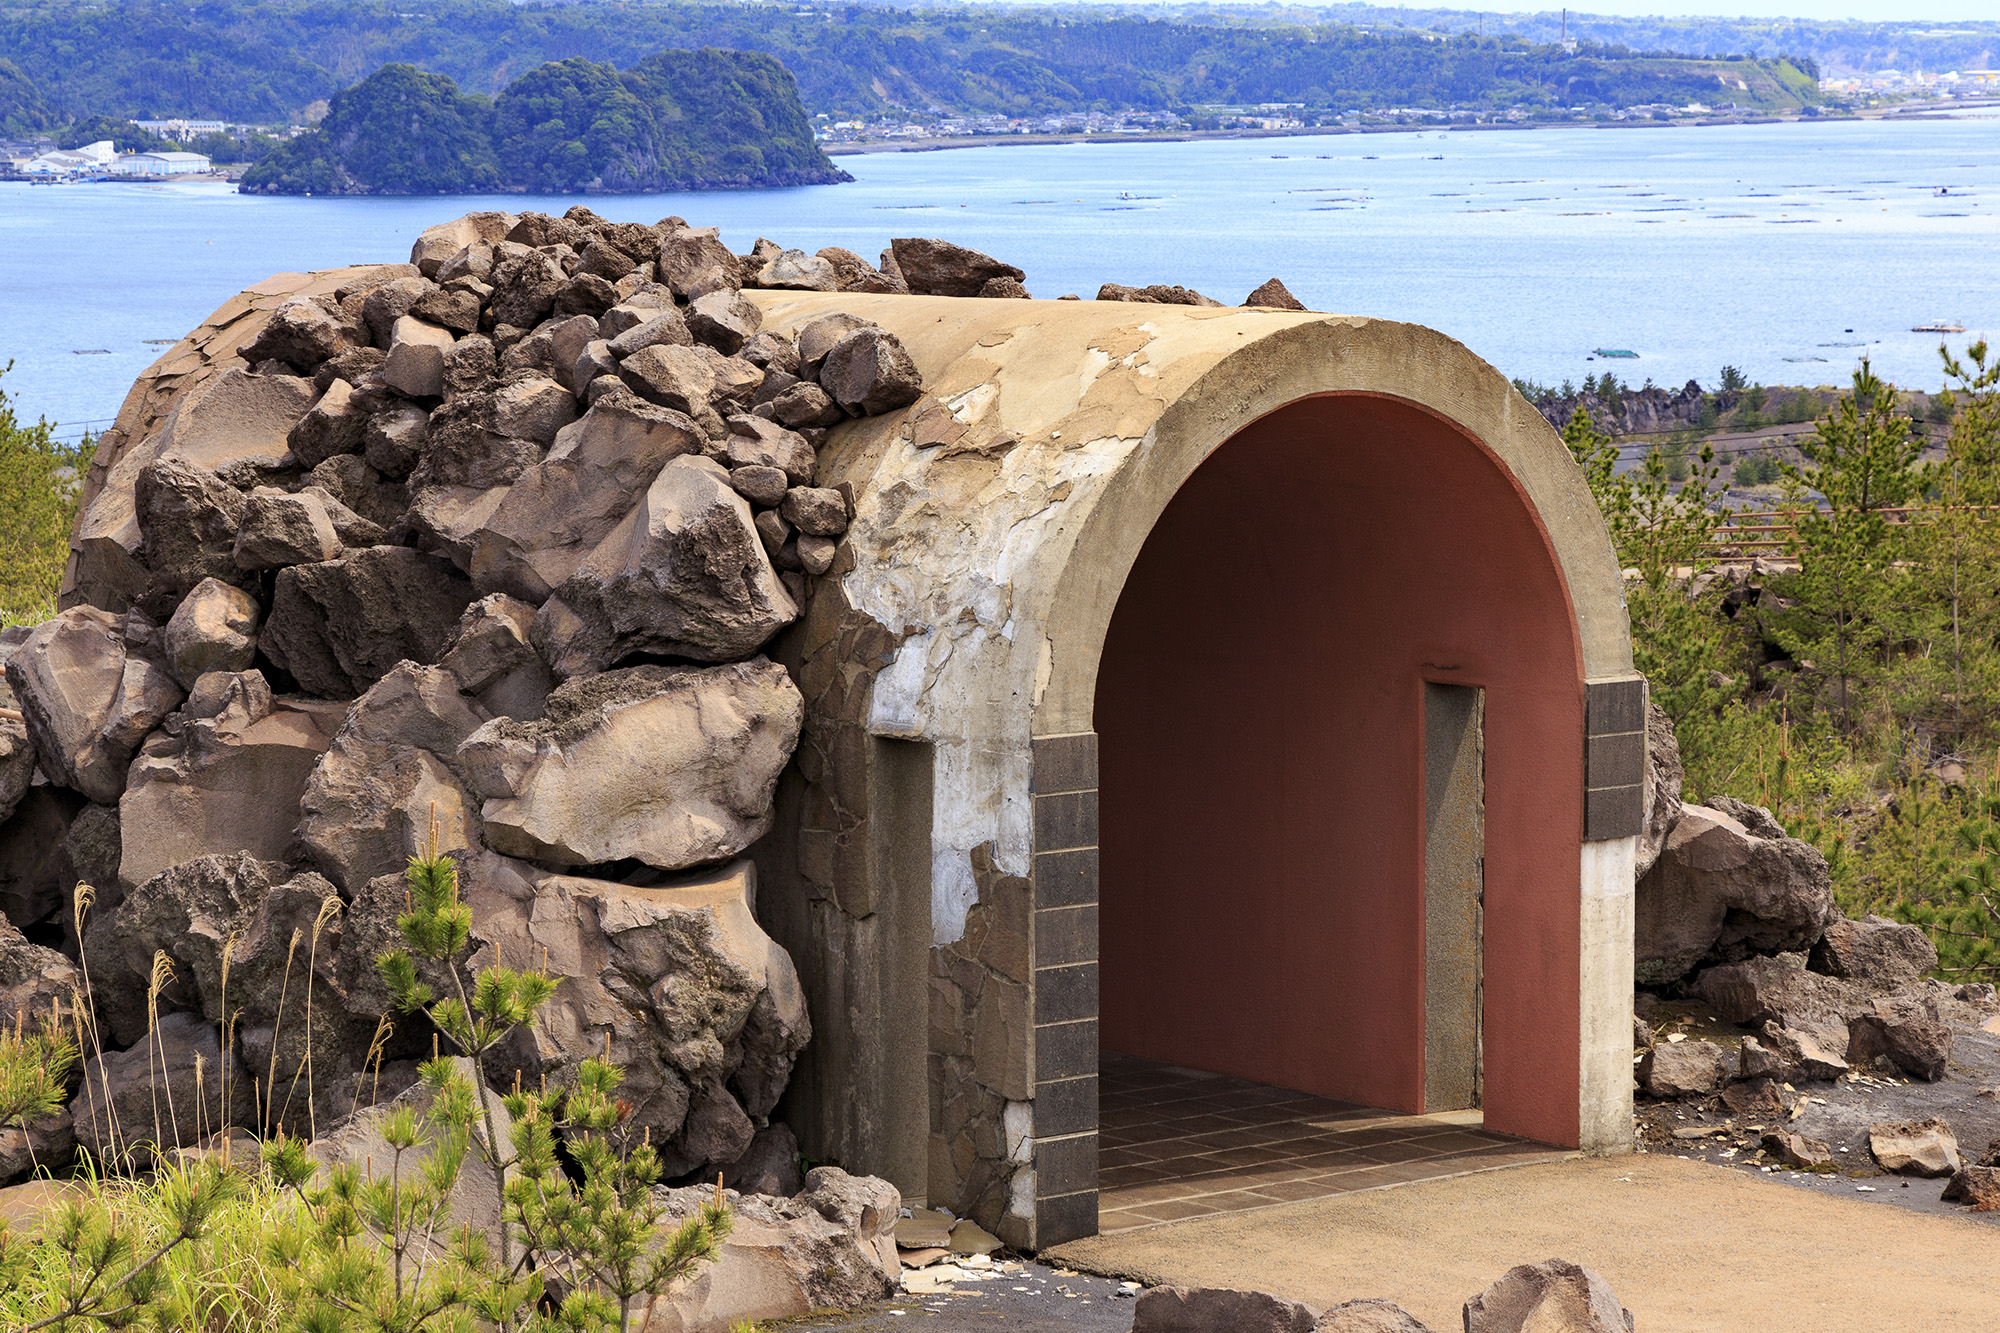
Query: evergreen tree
x=1861 y=462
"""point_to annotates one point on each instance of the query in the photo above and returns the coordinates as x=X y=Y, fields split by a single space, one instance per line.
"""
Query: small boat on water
x=1618 y=352
x=1940 y=326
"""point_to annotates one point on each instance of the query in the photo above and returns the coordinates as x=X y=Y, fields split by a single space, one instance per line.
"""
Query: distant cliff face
x=1650 y=410
x=678 y=120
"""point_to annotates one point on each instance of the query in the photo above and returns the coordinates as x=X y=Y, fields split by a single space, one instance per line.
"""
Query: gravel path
x=1688 y=1247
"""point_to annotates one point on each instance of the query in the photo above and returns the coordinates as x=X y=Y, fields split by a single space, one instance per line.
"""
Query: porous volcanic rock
x=229 y=778
x=1367 y=1315
x=701 y=1008
x=1720 y=893
x=1915 y=1148
x=280 y=529
x=1907 y=1029
x=338 y=626
x=932 y=267
x=868 y=373
x=1875 y=951
x=1554 y=1296
x=1158 y=294
x=1976 y=1185
x=494 y=662
x=389 y=775
x=683 y=574
x=213 y=629
x=360 y=1141
x=1683 y=1069
x=159 y=1093
x=86 y=701
x=1273 y=294
x=34 y=981
x=1177 y=1309
x=674 y=768
x=563 y=506
x=233 y=417
x=782 y=1258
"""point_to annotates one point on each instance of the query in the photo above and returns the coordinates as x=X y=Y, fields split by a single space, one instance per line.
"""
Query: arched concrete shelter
x=1239 y=689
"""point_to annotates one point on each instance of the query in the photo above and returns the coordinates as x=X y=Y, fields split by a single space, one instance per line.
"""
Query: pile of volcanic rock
x=483 y=547
x=1739 y=919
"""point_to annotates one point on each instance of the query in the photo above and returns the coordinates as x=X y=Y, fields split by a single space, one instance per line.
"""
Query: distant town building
x=64 y=162
x=160 y=164
x=182 y=130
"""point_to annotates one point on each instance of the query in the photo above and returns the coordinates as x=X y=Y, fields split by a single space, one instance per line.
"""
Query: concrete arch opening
x=1246 y=649
x=1336 y=709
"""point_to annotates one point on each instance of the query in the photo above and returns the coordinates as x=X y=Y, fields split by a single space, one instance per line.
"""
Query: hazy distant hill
x=252 y=60
x=1840 y=47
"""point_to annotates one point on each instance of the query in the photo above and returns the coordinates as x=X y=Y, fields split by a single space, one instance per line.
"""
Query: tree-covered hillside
x=1838 y=46
x=675 y=120
x=264 y=60
x=22 y=107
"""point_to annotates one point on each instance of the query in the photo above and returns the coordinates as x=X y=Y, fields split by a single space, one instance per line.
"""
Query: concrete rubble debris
x=1664 y=779
x=927 y=1230
x=968 y=1237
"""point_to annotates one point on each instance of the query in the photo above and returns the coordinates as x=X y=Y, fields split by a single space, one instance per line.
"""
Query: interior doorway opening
x=1454 y=892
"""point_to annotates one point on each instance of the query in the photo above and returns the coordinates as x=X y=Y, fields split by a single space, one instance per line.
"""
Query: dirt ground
x=1688 y=1246
x=1838 y=1113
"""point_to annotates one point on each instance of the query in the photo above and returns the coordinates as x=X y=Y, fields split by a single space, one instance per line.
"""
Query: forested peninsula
x=264 y=61
x=677 y=120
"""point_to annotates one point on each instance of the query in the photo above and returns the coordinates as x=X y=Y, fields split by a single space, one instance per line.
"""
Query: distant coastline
x=1921 y=111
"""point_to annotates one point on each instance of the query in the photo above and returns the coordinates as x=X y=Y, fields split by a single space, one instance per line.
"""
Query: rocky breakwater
x=490 y=544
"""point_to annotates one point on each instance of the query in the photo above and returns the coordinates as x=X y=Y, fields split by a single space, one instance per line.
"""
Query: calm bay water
x=1789 y=251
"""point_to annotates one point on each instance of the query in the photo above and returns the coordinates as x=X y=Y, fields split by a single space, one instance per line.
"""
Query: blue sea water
x=1786 y=250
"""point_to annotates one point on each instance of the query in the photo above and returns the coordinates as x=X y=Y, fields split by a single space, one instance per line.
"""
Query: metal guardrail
x=1723 y=543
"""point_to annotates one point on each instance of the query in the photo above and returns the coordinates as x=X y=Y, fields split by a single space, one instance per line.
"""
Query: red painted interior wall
x=1259 y=711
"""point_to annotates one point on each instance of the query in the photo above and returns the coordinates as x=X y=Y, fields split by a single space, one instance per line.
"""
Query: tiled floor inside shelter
x=1177 y=1143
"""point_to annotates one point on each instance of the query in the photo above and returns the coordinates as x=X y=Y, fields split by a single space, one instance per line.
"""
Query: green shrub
x=39 y=480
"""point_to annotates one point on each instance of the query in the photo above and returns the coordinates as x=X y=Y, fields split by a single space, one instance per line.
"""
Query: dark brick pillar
x=1065 y=1064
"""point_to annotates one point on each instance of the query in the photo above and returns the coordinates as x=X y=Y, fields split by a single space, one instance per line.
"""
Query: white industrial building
x=159 y=164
